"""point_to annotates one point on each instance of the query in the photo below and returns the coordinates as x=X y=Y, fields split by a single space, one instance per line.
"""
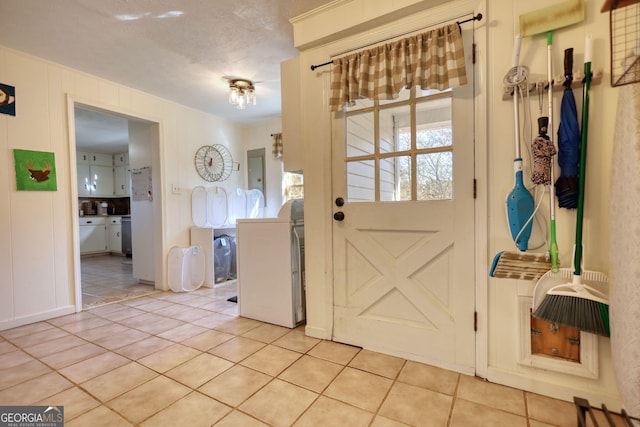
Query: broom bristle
x=576 y=312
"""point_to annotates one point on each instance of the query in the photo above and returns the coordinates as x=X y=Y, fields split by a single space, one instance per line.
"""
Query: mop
x=519 y=203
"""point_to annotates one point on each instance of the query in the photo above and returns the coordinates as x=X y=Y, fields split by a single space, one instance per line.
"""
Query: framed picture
x=35 y=170
x=7 y=99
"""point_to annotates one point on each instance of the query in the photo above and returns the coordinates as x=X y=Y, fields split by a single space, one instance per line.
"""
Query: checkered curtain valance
x=431 y=60
x=277 y=145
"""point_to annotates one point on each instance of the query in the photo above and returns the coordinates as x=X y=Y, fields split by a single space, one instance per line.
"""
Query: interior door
x=403 y=249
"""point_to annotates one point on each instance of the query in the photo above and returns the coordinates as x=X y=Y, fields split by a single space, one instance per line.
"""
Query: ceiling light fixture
x=242 y=93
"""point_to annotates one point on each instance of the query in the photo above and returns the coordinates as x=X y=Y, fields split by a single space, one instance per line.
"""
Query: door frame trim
x=159 y=217
x=480 y=107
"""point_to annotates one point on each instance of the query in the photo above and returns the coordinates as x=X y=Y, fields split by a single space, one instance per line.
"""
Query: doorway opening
x=116 y=255
x=256 y=176
x=109 y=278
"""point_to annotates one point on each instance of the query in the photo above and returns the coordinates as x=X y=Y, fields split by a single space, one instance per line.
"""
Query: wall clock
x=213 y=162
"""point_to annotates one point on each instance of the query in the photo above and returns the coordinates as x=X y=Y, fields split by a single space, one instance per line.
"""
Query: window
x=293 y=186
x=400 y=150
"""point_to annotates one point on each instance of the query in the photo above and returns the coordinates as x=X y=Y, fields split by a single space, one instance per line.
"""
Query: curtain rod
x=477 y=17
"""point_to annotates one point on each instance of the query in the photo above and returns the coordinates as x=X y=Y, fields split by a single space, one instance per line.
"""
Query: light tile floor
x=187 y=359
x=109 y=278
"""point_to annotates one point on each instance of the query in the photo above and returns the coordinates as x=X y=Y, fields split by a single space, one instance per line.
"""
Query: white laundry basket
x=186 y=268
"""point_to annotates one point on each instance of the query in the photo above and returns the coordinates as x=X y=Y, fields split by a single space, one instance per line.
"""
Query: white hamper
x=186 y=268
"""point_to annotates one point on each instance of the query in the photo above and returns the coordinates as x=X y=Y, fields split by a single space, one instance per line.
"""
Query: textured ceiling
x=182 y=50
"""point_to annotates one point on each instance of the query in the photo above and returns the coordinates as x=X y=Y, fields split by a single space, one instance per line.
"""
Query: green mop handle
x=553 y=243
x=577 y=261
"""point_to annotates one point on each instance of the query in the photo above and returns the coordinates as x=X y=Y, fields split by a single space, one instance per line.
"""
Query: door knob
x=339 y=201
x=338 y=216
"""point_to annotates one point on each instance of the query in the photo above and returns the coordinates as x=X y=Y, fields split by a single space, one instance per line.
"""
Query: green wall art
x=35 y=170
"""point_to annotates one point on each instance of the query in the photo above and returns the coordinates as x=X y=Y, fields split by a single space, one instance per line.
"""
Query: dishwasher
x=126 y=236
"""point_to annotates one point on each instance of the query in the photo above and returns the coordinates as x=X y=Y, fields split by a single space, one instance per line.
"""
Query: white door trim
x=481 y=104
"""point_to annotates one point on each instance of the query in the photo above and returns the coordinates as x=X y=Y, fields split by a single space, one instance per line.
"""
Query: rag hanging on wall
x=542 y=147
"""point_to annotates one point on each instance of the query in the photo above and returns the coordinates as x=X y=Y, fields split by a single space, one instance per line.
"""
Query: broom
x=578 y=304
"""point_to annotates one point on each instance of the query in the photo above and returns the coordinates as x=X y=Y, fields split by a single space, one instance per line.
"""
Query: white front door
x=403 y=230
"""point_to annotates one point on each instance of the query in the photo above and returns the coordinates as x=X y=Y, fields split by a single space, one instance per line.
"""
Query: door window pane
x=360 y=134
x=435 y=176
x=361 y=183
x=395 y=179
x=433 y=124
x=392 y=120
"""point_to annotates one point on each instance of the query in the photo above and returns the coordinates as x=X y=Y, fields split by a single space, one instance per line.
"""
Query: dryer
x=270 y=265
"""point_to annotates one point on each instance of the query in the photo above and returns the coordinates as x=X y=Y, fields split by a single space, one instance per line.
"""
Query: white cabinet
x=290 y=91
x=95 y=174
x=121 y=180
x=102 y=180
x=93 y=235
x=82 y=158
x=95 y=180
x=84 y=179
x=121 y=174
x=121 y=159
x=114 y=231
x=100 y=159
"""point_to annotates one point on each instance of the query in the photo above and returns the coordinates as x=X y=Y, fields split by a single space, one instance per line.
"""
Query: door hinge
x=475 y=188
x=475 y=321
x=473 y=53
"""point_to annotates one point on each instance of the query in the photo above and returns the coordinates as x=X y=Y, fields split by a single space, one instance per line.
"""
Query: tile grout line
x=454 y=399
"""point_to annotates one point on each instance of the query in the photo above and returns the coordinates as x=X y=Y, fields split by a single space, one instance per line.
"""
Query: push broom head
x=576 y=305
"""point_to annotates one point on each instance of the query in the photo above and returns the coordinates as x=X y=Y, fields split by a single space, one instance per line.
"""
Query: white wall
x=324 y=33
x=143 y=138
x=37 y=262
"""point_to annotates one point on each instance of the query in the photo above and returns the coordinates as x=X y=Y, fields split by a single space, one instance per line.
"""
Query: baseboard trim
x=316 y=332
x=38 y=317
x=555 y=390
